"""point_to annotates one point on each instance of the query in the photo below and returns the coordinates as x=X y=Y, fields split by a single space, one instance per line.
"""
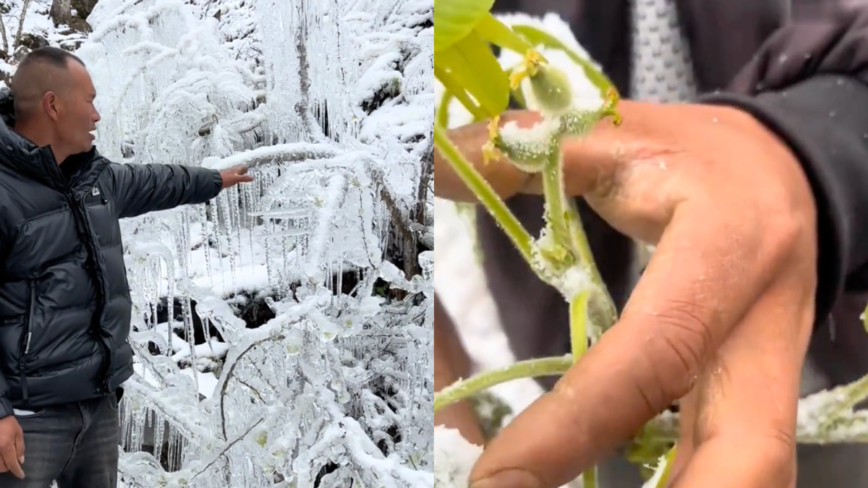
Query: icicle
x=215 y=223
x=250 y=204
x=228 y=232
x=170 y=315
x=269 y=260
x=159 y=430
x=184 y=245
x=206 y=239
x=174 y=457
x=236 y=218
x=191 y=340
x=137 y=433
x=206 y=330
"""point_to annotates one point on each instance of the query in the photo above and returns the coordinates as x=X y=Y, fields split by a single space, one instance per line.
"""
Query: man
x=64 y=299
x=755 y=199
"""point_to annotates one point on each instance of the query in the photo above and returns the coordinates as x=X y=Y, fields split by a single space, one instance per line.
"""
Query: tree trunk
x=61 y=12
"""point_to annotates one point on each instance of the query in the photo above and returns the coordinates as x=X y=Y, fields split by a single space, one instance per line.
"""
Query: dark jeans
x=75 y=444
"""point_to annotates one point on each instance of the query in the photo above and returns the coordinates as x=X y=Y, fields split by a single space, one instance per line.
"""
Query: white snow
x=453 y=458
x=330 y=104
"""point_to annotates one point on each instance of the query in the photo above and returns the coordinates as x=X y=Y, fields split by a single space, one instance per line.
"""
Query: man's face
x=77 y=116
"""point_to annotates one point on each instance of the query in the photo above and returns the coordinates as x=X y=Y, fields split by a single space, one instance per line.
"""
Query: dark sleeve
x=143 y=188
x=809 y=85
x=5 y=405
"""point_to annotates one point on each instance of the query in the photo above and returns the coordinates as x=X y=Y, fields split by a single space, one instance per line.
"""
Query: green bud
x=530 y=150
x=551 y=88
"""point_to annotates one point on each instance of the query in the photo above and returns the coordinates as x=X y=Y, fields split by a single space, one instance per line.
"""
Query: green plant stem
x=670 y=457
x=579 y=346
x=849 y=395
x=578 y=324
x=524 y=369
x=553 y=191
x=602 y=299
x=589 y=478
x=484 y=193
x=865 y=318
x=443 y=110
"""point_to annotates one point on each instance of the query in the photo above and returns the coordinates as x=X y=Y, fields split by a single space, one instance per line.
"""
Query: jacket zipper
x=105 y=342
x=25 y=339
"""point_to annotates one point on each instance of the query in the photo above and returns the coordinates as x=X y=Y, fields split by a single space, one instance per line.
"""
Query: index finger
x=505 y=179
x=695 y=288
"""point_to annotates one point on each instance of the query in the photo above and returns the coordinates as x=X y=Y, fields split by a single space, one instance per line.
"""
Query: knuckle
x=786 y=234
x=785 y=440
x=780 y=452
x=681 y=345
x=791 y=234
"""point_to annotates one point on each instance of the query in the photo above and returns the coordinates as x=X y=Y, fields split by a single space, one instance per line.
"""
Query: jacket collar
x=38 y=163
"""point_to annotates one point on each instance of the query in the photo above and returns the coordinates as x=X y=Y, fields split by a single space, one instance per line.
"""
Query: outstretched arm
x=143 y=188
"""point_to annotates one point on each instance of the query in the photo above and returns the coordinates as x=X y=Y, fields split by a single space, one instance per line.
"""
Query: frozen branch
x=292 y=152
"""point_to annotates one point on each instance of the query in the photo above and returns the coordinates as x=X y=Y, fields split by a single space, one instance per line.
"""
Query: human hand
x=235 y=175
x=720 y=319
x=11 y=447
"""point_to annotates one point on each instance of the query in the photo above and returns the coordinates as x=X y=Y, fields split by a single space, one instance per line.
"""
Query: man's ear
x=51 y=105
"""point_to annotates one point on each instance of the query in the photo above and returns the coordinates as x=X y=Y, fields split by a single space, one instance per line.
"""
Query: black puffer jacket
x=65 y=305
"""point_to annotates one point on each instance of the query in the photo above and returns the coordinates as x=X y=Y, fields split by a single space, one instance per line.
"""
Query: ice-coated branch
x=223 y=450
x=174 y=404
x=291 y=152
x=335 y=195
x=229 y=367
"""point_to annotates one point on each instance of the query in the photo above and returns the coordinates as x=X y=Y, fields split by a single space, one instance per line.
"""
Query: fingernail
x=511 y=478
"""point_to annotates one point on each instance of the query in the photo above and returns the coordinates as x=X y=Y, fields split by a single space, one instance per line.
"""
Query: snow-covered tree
x=283 y=331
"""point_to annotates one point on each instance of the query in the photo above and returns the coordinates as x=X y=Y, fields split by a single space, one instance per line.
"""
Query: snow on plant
x=331 y=386
x=561 y=255
x=545 y=69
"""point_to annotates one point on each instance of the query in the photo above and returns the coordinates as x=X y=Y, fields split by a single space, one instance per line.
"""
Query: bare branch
x=21 y=22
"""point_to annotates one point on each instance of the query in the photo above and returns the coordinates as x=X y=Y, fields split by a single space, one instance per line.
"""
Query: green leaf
x=538 y=37
x=454 y=19
x=498 y=33
x=455 y=89
x=472 y=64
